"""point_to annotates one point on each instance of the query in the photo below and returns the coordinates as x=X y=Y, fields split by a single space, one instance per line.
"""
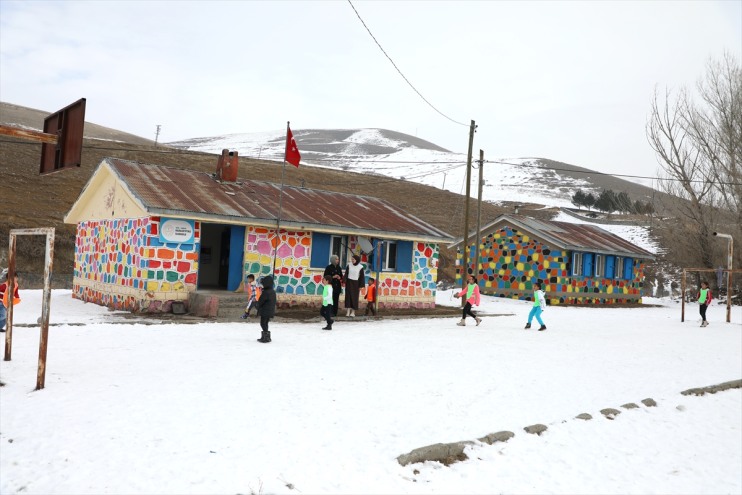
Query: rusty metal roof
x=570 y=236
x=180 y=192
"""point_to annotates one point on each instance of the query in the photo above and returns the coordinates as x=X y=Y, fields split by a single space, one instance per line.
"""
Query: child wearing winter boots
x=471 y=291
x=266 y=308
x=539 y=304
x=253 y=294
x=327 y=302
x=370 y=298
x=704 y=299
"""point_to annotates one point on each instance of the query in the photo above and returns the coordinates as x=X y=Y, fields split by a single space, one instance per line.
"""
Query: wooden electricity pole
x=465 y=246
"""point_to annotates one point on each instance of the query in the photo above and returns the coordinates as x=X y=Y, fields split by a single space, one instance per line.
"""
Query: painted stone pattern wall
x=512 y=261
x=300 y=284
x=121 y=264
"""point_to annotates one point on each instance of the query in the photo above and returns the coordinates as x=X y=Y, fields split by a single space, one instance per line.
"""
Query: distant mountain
x=398 y=155
x=432 y=189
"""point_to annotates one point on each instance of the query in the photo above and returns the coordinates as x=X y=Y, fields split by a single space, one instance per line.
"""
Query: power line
x=592 y=172
x=408 y=162
x=400 y=72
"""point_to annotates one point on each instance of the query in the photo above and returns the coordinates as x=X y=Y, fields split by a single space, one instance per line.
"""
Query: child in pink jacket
x=471 y=291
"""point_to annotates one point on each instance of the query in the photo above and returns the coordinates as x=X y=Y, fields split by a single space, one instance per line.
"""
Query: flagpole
x=280 y=207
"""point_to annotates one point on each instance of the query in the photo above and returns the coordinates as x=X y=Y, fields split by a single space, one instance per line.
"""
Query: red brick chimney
x=226 y=167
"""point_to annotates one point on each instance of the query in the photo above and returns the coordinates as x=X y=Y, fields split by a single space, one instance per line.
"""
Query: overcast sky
x=570 y=81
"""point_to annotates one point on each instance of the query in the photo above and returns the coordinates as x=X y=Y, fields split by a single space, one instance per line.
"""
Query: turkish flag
x=292 y=151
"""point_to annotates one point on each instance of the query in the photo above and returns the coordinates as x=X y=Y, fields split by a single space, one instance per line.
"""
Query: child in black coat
x=266 y=308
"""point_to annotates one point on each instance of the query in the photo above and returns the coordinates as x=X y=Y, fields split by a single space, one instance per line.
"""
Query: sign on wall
x=176 y=230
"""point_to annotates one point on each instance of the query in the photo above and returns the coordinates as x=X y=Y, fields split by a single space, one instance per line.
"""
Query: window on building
x=599 y=265
x=628 y=268
x=619 y=267
x=339 y=247
x=577 y=264
x=610 y=266
x=389 y=255
x=324 y=246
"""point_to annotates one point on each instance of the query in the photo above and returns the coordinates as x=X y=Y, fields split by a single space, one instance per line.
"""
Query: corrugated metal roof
x=174 y=191
x=571 y=236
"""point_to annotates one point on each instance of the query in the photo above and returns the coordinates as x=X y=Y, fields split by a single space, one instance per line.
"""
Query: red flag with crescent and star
x=292 y=151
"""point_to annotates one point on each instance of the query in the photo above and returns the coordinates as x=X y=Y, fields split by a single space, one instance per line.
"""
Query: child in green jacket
x=326 y=310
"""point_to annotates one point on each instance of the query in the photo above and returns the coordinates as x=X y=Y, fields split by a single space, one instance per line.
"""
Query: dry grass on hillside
x=31 y=200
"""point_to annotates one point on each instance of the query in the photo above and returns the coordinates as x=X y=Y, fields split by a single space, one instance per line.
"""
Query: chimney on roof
x=226 y=166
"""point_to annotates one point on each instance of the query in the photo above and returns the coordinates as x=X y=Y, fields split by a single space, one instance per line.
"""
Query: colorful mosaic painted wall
x=299 y=284
x=512 y=261
x=122 y=264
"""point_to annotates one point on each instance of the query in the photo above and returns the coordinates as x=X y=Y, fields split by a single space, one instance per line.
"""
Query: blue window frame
x=628 y=268
x=610 y=266
x=395 y=256
x=320 y=257
x=588 y=267
x=600 y=265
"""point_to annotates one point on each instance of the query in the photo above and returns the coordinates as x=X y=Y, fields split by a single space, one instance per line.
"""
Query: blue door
x=236 y=257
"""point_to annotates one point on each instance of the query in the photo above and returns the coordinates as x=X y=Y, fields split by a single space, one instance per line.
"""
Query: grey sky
x=570 y=81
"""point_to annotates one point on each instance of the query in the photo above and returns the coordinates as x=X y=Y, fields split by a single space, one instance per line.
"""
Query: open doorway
x=221 y=256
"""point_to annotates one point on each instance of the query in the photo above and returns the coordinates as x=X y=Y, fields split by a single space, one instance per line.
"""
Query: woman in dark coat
x=354 y=281
x=266 y=308
x=335 y=273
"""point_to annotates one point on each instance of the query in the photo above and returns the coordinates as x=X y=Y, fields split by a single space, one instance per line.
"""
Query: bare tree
x=716 y=128
x=698 y=147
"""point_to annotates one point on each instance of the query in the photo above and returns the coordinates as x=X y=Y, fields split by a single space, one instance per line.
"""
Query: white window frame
x=618 y=268
x=389 y=262
x=576 y=264
x=599 y=265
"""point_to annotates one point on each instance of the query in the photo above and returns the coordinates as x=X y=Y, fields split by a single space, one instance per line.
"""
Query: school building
x=576 y=263
x=149 y=235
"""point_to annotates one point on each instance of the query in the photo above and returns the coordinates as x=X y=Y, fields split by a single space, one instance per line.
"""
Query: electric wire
x=400 y=72
x=407 y=162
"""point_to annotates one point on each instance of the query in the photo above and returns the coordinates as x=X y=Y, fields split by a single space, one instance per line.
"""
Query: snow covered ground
x=131 y=408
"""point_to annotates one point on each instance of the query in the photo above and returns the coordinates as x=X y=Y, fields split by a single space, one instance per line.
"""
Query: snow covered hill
x=394 y=154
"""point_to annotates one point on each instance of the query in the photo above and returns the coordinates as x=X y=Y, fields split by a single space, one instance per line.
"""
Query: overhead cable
x=400 y=72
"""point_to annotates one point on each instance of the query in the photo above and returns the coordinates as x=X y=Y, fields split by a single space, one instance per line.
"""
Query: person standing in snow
x=704 y=299
x=539 y=305
x=5 y=296
x=370 y=298
x=355 y=280
x=266 y=308
x=336 y=276
x=326 y=310
x=471 y=291
x=253 y=294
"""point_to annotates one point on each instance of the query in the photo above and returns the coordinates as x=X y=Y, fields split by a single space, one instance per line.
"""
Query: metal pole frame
x=729 y=272
x=46 y=299
x=730 y=258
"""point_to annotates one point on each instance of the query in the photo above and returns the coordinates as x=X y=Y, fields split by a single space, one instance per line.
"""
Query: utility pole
x=478 y=239
x=157 y=134
x=465 y=265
